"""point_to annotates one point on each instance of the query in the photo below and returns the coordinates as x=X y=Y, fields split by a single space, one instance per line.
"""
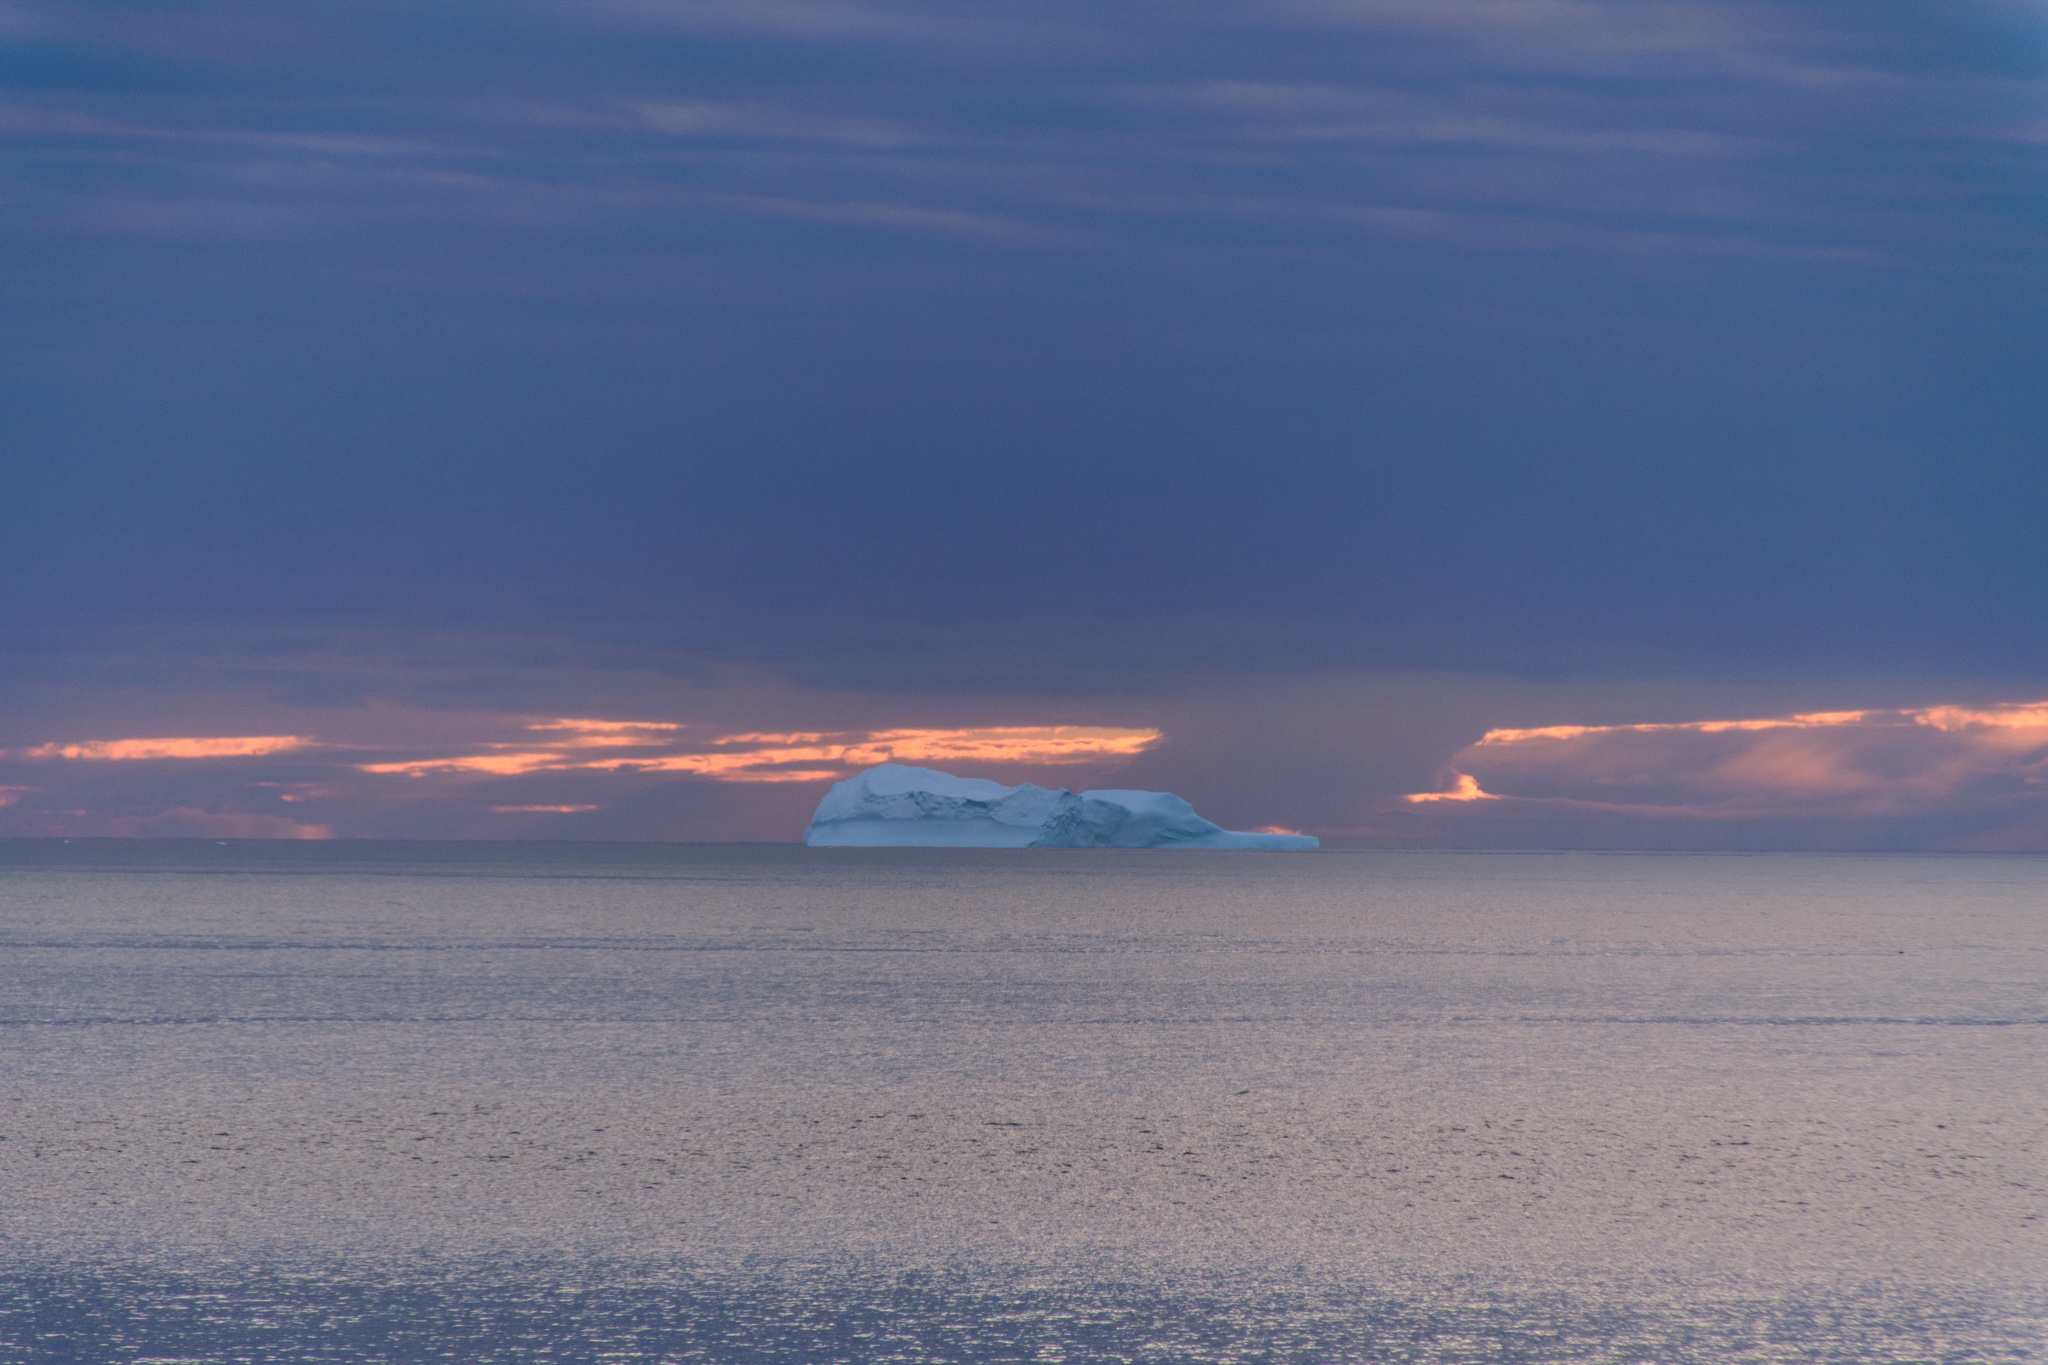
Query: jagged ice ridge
x=898 y=806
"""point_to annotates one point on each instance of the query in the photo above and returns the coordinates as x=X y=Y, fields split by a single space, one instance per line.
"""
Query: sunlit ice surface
x=354 y=1101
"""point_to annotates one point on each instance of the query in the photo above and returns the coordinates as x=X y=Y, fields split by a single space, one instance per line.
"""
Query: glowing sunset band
x=814 y=757
x=806 y=756
x=488 y=765
x=607 y=727
x=216 y=746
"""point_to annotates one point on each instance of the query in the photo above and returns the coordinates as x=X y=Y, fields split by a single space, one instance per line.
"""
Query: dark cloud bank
x=1324 y=385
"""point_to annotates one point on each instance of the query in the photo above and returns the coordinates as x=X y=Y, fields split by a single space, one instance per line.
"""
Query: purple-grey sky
x=1267 y=402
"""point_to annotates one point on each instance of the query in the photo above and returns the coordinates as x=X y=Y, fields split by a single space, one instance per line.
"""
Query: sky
x=620 y=419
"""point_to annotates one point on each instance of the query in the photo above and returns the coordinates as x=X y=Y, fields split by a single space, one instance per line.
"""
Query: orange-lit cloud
x=1007 y=744
x=10 y=795
x=609 y=734
x=1808 y=721
x=2030 y=716
x=1465 y=787
x=541 y=810
x=809 y=757
x=794 y=756
x=544 y=754
x=494 y=765
x=213 y=746
x=1937 y=760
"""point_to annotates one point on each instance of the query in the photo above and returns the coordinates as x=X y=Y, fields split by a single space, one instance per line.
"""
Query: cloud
x=1466 y=788
x=609 y=734
x=1597 y=112
x=401 y=771
x=492 y=765
x=1957 y=774
x=477 y=258
x=130 y=750
x=797 y=756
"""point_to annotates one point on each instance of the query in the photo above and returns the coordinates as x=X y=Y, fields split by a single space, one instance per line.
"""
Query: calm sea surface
x=352 y=1102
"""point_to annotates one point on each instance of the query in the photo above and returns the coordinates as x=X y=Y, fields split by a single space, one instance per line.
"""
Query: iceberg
x=895 y=806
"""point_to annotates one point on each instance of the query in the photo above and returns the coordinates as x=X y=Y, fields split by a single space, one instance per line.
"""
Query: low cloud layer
x=332 y=746
x=1941 y=777
x=295 y=786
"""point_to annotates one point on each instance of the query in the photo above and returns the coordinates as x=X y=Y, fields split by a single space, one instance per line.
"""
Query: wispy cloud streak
x=804 y=756
x=134 y=750
x=1687 y=124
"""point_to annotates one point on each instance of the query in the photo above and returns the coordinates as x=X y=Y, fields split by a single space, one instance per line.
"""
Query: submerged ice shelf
x=897 y=806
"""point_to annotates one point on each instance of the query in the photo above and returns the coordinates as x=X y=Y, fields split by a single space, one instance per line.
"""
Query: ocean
x=362 y=1101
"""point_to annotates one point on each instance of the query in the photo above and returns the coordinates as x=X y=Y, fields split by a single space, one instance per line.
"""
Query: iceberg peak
x=897 y=806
